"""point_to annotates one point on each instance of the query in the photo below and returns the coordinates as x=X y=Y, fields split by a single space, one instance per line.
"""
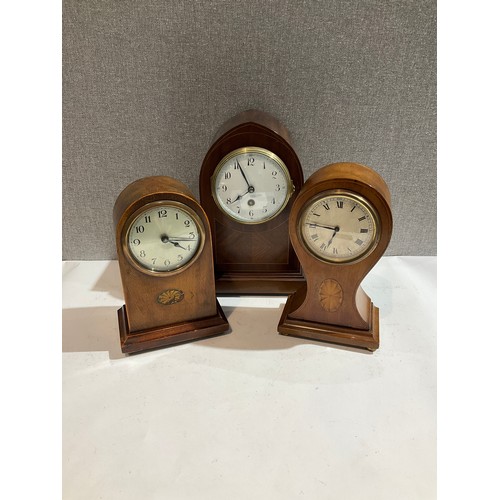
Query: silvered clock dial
x=339 y=227
x=251 y=185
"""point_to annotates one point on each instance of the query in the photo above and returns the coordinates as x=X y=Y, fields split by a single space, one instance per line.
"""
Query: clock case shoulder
x=147 y=190
x=355 y=173
x=257 y=117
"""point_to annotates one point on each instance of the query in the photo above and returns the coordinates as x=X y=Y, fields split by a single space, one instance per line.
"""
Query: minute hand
x=315 y=224
x=243 y=174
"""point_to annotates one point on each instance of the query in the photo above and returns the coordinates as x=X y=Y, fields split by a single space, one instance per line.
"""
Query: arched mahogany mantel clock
x=249 y=179
x=340 y=226
x=164 y=253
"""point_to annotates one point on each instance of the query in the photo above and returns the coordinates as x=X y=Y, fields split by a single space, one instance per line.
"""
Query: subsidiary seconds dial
x=251 y=185
x=164 y=237
x=339 y=227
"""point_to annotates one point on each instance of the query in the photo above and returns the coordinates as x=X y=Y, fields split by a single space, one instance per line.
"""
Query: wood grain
x=144 y=312
x=252 y=258
x=305 y=310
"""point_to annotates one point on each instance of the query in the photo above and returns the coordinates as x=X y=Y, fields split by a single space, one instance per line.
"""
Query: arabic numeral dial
x=251 y=185
x=164 y=237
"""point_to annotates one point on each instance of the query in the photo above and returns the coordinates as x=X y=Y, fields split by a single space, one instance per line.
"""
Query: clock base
x=132 y=342
x=366 y=339
x=241 y=284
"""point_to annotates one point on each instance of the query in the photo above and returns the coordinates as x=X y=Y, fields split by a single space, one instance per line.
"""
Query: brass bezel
x=148 y=206
x=347 y=194
x=265 y=152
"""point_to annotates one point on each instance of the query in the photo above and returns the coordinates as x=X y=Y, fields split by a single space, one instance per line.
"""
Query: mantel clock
x=340 y=226
x=248 y=181
x=164 y=252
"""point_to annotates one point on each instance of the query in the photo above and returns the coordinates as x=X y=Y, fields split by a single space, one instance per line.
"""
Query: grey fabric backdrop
x=147 y=83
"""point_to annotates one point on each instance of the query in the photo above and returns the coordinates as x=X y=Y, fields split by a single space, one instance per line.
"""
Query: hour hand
x=331 y=239
x=236 y=199
x=249 y=190
x=166 y=239
x=176 y=244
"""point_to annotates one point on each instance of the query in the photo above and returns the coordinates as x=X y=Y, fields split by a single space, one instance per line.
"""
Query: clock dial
x=164 y=237
x=339 y=227
x=251 y=185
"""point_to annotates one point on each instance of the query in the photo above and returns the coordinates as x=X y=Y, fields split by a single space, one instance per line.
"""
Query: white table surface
x=251 y=414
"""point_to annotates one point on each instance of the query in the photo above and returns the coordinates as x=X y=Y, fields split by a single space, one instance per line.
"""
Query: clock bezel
x=347 y=194
x=146 y=207
x=290 y=188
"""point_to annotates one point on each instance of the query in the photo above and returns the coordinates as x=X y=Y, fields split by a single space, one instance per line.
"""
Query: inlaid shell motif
x=169 y=297
x=330 y=295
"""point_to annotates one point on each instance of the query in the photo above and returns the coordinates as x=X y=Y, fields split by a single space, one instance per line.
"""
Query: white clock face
x=251 y=185
x=339 y=227
x=164 y=237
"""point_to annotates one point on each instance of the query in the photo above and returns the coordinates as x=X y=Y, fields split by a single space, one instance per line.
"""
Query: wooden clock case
x=145 y=322
x=356 y=320
x=252 y=258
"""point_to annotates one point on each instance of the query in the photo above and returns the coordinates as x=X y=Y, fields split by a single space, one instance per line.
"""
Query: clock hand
x=335 y=229
x=315 y=224
x=250 y=189
x=241 y=195
x=166 y=239
x=243 y=174
x=177 y=244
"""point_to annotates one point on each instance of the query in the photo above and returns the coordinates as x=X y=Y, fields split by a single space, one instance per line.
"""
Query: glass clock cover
x=251 y=185
x=339 y=227
x=164 y=237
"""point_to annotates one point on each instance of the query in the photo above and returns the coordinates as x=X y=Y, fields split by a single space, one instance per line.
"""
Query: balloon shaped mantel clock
x=340 y=225
x=165 y=256
x=248 y=181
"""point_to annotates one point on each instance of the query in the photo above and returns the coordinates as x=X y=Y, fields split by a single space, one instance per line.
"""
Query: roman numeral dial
x=338 y=227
